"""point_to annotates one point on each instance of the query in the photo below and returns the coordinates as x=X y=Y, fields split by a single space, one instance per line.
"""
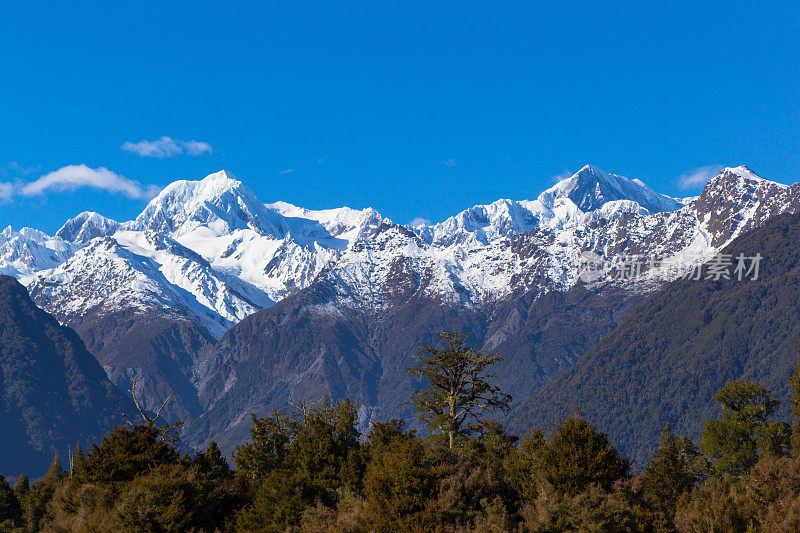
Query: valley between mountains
x=240 y=307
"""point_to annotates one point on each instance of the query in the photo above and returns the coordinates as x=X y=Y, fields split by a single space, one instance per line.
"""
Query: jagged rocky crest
x=350 y=292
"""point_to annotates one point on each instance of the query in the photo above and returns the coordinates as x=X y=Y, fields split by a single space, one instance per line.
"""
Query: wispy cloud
x=165 y=147
x=76 y=176
x=419 y=221
x=6 y=190
x=286 y=171
x=564 y=174
x=450 y=162
x=697 y=177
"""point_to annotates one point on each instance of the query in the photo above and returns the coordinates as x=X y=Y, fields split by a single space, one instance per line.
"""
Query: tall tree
x=458 y=390
x=669 y=474
x=9 y=505
x=794 y=384
x=734 y=442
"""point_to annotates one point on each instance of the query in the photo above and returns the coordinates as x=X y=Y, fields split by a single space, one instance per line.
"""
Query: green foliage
x=269 y=443
x=794 y=402
x=457 y=389
x=78 y=466
x=160 y=501
x=299 y=460
x=397 y=485
x=472 y=488
x=767 y=498
x=592 y=509
x=126 y=453
x=22 y=488
x=307 y=470
x=10 y=511
x=734 y=442
x=35 y=506
x=212 y=463
x=278 y=503
x=674 y=470
x=577 y=456
x=384 y=433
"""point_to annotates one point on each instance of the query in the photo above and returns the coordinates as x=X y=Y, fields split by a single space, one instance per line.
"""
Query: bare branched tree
x=149 y=421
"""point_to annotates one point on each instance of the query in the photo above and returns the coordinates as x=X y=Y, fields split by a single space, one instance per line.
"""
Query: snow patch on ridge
x=211 y=251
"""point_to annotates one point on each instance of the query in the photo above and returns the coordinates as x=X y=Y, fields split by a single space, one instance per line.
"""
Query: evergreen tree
x=126 y=453
x=397 y=486
x=734 y=442
x=298 y=461
x=794 y=384
x=22 y=488
x=79 y=465
x=22 y=492
x=270 y=437
x=55 y=473
x=383 y=433
x=42 y=493
x=457 y=389
x=10 y=511
x=668 y=475
x=161 y=500
x=212 y=462
x=577 y=455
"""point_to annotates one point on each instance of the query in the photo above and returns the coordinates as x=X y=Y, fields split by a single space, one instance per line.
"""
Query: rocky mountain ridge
x=204 y=255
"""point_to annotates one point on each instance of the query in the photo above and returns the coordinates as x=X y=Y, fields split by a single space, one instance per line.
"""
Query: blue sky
x=419 y=109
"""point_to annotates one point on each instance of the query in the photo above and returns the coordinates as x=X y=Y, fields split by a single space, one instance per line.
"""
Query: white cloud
x=698 y=177
x=6 y=190
x=419 y=221
x=165 y=147
x=286 y=171
x=449 y=162
x=75 y=176
x=564 y=174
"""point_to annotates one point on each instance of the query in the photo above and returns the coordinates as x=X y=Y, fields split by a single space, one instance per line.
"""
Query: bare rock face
x=737 y=201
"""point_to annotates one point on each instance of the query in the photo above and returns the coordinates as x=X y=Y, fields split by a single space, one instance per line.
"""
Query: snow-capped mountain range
x=211 y=251
x=156 y=298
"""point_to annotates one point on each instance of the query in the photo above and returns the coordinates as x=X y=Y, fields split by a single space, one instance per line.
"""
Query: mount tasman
x=240 y=307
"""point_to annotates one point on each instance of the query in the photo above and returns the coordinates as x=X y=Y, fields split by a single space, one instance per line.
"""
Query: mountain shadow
x=53 y=392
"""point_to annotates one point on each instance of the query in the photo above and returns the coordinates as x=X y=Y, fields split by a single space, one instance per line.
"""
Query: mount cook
x=241 y=307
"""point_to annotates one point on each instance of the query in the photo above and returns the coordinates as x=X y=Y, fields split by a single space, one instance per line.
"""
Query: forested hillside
x=310 y=470
x=662 y=364
x=53 y=392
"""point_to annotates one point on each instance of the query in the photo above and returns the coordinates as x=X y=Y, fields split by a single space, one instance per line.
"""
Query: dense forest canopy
x=309 y=469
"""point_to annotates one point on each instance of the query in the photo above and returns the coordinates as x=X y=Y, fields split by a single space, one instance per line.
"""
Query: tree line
x=309 y=469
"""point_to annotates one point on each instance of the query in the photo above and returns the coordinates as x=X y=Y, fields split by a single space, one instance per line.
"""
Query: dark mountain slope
x=540 y=339
x=156 y=349
x=53 y=393
x=667 y=358
x=305 y=346
x=287 y=353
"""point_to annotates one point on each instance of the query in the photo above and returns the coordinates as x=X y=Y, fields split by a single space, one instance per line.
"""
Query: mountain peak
x=743 y=176
x=221 y=176
x=218 y=201
x=590 y=188
x=86 y=226
x=590 y=168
